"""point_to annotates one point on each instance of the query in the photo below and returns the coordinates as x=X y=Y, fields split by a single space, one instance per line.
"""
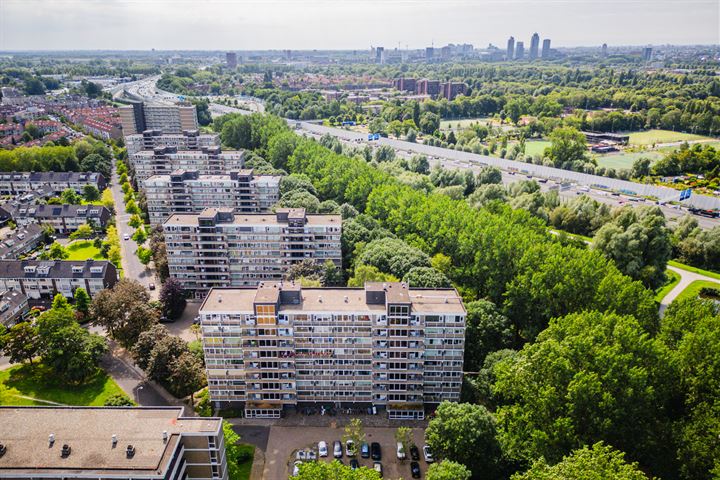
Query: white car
x=350 y=448
x=126 y=236
x=322 y=449
x=300 y=455
x=311 y=456
x=427 y=453
x=337 y=449
x=400 y=451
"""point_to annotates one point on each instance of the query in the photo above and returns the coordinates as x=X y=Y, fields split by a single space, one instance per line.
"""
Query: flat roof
x=441 y=300
x=257 y=219
x=25 y=431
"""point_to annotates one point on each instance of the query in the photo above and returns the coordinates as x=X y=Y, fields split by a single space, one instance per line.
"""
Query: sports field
x=624 y=159
x=662 y=136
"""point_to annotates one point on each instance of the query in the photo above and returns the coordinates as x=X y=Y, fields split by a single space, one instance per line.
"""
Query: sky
x=348 y=24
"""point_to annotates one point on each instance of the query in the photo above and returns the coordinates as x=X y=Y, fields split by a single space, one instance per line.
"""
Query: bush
x=119 y=400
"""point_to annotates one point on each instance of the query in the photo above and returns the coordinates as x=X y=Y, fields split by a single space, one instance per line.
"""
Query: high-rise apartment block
x=427 y=87
x=604 y=50
x=534 y=46
x=380 y=55
x=189 y=192
x=231 y=59
x=122 y=443
x=519 y=50
x=647 y=54
x=187 y=140
x=510 y=49
x=165 y=160
x=450 y=90
x=171 y=119
x=219 y=248
x=546 y=49
x=386 y=345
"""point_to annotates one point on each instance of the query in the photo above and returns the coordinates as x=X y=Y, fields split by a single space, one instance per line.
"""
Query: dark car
x=415 y=469
x=364 y=450
x=354 y=464
x=375 y=451
x=414 y=453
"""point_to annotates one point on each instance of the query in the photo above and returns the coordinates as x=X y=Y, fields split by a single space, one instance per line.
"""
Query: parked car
x=354 y=464
x=296 y=468
x=151 y=286
x=311 y=456
x=400 y=451
x=365 y=450
x=337 y=449
x=428 y=454
x=300 y=455
x=350 y=448
x=415 y=469
x=126 y=236
x=414 y=453
x=375 y=452
x=322 y=449
x=378 y=468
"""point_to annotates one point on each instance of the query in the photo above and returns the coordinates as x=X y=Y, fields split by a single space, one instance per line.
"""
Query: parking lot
x=284 y=442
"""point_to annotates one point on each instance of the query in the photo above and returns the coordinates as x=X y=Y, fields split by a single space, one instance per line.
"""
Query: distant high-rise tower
x=429 y=53
x=510 y=48
x=519 y=50
x=604 y=49
x=647 y=54
x=546 y=48
x=231 y=59
x=380 y=55
x=534 y=45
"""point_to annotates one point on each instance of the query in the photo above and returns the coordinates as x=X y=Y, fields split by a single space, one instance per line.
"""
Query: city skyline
x=320 y=24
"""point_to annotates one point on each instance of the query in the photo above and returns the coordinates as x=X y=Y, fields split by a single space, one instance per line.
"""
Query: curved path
x=686 y=278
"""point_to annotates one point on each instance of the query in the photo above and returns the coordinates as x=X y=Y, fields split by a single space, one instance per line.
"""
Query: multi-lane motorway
x=610 y=191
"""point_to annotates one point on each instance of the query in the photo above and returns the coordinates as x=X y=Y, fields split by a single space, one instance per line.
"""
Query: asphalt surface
x=686 y=278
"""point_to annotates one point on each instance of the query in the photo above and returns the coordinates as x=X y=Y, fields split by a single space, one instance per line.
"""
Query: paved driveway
x=686 y=278
x=285 y=441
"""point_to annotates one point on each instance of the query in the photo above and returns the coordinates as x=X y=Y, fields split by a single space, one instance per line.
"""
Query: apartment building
x=13 y=307
x=165 y=160
x=118 y=443
x=170 y=118
x=65 y=219
x=20 y=241
x=189 y=192
x=386 y=345
x=187 y=140
x=450 y=90
x=219 y=248
x=21 y=183
x=43 y=279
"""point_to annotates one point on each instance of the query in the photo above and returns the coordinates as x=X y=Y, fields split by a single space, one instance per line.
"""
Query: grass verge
x=37 y=382
x=673 y=279
x=693 y=290
x=247 y=454
x=699 y=271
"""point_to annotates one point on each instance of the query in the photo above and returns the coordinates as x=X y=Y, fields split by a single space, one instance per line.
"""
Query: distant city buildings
x=219 y=248
x=43 y=279
x=380 y=55
x=405 y=84
x=430 y=88
x=647 y=54
x=429 y=53
x=118 y=443
x=171 y=119
x=534 y=45
x=545 y=49
x=427 y=87
x=510 y=48
x=231 y=60
x=519 y=50
x=386 y=345
x=604 y=50
x=189 y=192
x=450 y=90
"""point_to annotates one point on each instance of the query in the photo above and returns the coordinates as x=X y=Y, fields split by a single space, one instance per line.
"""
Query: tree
x=143 y=347
x=385 y=153
x=140 y=236
x=429 y=122
x=368 y=273
x=107 y=200
x=465 y=433
x=91 y=193
x=172 y=297
x=294 y=182
x=489 y=175
x=393 y=256
x=135 y=221
x=403 y=435
x=82 y=301
x=124 y=311
x=426 y=277
x=488 y=330
x=132 y=208
x=334 y=471
x=599 y=462
x=640 y=168
x=639 y=243
x=567 y=146
x=83 y=231
x=448 y=470
x=70 y=196
x=354 y=431
x=118 y=400
x=144 y=255
x=419 y=164
x=589 y=377
x=20 y=343
x=187 y=374
x=55 y=252
x=300 y=199
x=280 y=148
x=331 y=275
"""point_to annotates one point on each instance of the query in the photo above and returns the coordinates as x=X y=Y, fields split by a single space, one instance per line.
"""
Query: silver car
x=337 y=449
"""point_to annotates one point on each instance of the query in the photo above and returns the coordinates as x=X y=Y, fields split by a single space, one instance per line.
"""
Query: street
x=131 y=265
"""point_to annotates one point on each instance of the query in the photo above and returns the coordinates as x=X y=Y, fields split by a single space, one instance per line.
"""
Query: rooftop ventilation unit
x=65 y=452
x=3 y=449
x=51 y=439
x=165 y=435
x=130 y=452
x=114 y=441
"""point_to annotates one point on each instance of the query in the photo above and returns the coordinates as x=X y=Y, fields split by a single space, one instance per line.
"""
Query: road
x=131 y=265
x=686 y=278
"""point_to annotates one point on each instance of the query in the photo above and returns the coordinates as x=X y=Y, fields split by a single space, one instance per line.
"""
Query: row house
x=65 y=219
x=21 y=183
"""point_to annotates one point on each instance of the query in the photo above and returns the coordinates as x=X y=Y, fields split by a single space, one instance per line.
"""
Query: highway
x=573 y=183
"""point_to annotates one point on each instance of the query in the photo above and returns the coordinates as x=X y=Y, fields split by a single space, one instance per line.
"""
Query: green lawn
x=672 y=280
x=693 y=290
x=83 y=250
x=688 y=268
x=36 y=381
x=246 y=465
x=624 y=159
x=662 y=136
x=534 y=147
x=463 y=123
